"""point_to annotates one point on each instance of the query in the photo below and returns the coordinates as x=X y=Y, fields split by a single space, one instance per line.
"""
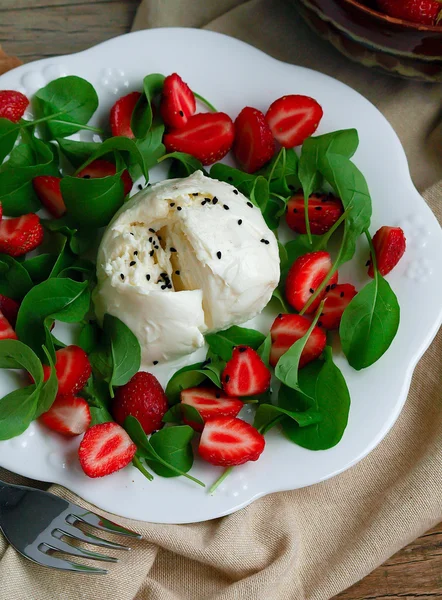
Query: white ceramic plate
x=233 y=75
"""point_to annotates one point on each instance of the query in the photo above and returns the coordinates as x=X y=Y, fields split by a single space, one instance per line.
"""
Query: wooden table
x=34 y=29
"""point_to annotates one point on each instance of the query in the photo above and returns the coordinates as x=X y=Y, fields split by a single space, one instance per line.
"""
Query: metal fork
x=38 y=524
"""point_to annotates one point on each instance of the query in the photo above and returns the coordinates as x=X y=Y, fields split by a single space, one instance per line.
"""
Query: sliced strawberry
x=323 y=212
x=103 y=168
x=9 y=308
x=389 y=245
x=6 y=330
x=254 y=144
x=210 y=402
x=12 y=105
x=177 y=102
x=143 y=398
x=424 y=12
x=48 y=190
x=105 y=448
x=20 y=235
x=73 y=369
x=293 y=118
x=336 y=301
x=69 y=415
x=206 y=136
x=288 y=329
x=228 y=441
x=121 y=115
x=245 y=374
x=305 y=275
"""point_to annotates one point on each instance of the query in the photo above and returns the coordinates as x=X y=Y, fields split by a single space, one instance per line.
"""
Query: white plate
x=233 y=75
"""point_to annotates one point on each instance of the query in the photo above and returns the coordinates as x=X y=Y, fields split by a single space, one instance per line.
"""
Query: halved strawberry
x=48 y=190
x=143 y=398
x=12 y=105
x=245 y=374
x=105 y=448
x=206 y=136
x=336 y=301
x=69 y=415
x=254 y=144
x=121 y=115
x=305 y=275
x=425 y=12
x=72 y=367
x=389 y=245
x=210 y=402
x=9 y=308
x=20 y=235
x=228 y=441
x=6 y=330
x=293 y=118
x=323 y=212
x=103 y=168
x=288 y=329
x=177 y=102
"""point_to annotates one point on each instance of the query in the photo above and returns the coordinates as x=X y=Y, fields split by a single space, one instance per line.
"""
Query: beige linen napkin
x=308 y=544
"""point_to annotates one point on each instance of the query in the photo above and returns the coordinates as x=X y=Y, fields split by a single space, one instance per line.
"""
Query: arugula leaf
x=8 y=136
x=49 y=389
x=260 y=193
x=151 y=148
x=264 y=349
x=89 y=337
x=67 y=103
x=16 y=355
x=92 y=202
x=15 y=281
x=79 y=240
x=272 y=214
x=325 y=391
x=142 y=115
x=125 y=351
x=180 y=411
x=39 y=267
x=183 y=164
x=223 y=342
x=77 y=152
x=97 y=395
x=268 y=415
x=242 y=181
x=187 y=377
x=213 y=370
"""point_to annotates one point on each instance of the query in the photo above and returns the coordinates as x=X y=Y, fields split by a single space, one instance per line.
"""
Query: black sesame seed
x=140 y=187
x=250 y=204
x=280 y=316
x=203 y=202
x=227 y=378
x=240 y=222
x=155 y=362
x=177 y=272
x=217 y=395
x=263 y=241
x=181 y=113
x=132 y=263
x=136 y=253
x=195 y=194
x=159 y=238
x=173 y=249
x=312 y=291
x=86 y=176
x=215 y=200
x=342 y=294
x=267 y=242
x=169 y=287
x=207 y=199
x=148 y=277
x=295 y=210
x=163 y=287
x=122 y=276
x=131 y=233
x=172 y=204
x=178 y=207
x=151 y=253
x=318 y=207
x=163 y=274
x=319 y=323
x=242 y=349
x=235 y=192
x=333 y=285
x=368 y=263
x=327 y=289
x=219 y=254
x=151 y=239
x=151 y=230
x=226 y=207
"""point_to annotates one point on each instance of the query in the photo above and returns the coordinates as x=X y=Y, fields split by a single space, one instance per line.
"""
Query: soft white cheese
x=183 y=257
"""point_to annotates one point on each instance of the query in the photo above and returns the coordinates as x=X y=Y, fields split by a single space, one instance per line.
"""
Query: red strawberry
x=68 y=415
x=210 y=402
x=177 y=102
x=104 y=168
x=206 y=136
x=6 y=330
x=305 y=275
x=105 y=448
x=227 y=441
x=288 y=329
x=9 y=308
x=143 y=398
x=121 y=115
x=424 y=12
x=20 y=235
x=12 y=105
x=254 y=144
x=389 y=246
x=245 y=374
x=48 y=190
x=293 y=118
x=73 y=369
x=336 y=301
x=323 y=212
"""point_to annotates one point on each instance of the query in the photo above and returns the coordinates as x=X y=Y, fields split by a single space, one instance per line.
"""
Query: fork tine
x=104 y=524
x=48 y=560
x=76 y=533
x=63 y=546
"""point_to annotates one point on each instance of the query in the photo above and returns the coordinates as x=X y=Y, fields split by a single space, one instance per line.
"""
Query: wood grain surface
x=34 y=29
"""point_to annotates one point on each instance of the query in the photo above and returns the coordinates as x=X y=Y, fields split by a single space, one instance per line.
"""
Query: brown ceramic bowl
x=372 y=38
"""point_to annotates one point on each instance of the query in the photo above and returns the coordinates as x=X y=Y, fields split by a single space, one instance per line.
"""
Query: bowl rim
x=394 y=20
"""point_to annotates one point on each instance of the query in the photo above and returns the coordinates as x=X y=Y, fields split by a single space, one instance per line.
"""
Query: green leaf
x=331 y=399
x=142 y=115
x=79 y=240
x=272 y=214
x=173 y=445
x=70 y=101
x=92 y=203
x=183 y=164
x=97 y=395
x=180 y=411
x=223 y=342
x=89 y=337
x=77 y=153
x=39 y=267
x=260 y=193
x=242 y=181
x=264 y=350
x=15 y=281
x=16 y=355
x=213 y=370
x=151 y=148
x=125 y=350
x=8 y=136
x=17 y=410
x=268 y=415
x=187 y=377
x=49 y=389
